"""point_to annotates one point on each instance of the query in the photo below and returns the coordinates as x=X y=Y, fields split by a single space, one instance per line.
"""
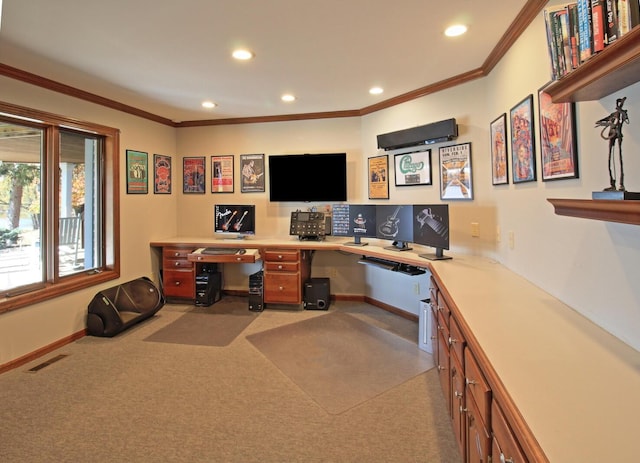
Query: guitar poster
x=379 y=177
x=251 y=173
x=455 y=172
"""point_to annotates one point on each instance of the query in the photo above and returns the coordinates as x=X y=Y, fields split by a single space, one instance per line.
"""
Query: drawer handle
x=281 y=288
x=280 y=256
x=279 y=267
x=471 y=382
x=441 y=368
x=177 y=264
x=177 y=254
x=177 y=283
x=505 y=460
x=238 y=259
x=199 y=257
x=452 y=340
x=458 y=394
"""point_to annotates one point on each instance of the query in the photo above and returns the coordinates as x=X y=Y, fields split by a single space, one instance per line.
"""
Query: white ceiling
x=166 y=57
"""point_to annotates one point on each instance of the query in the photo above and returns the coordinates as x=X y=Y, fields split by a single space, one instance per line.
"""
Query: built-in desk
x=568 y=390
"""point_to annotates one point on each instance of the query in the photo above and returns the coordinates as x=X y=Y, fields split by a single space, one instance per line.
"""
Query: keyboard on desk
x=219 y=251
x=391 y=265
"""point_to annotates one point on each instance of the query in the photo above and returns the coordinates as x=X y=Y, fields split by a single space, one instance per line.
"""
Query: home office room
x=522 y=345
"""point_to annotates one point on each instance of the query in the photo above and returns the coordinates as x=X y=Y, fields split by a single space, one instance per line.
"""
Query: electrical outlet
x=498 y=234
x=512 y=240
x=333 y=273
x=416 y=288
x=475 y=229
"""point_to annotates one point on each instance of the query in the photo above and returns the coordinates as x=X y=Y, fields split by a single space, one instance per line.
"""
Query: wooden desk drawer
x=178 y=283
x=281 y=266
x=505 y=444
x=478 y=389
x=176 y=253
x=275 y=255
x=281 y=288
x=456 y=339
x=223 y=258
x=182 y=264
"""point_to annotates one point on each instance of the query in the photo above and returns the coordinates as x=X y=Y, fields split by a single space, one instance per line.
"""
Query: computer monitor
x=395 y=223
x=355 y=220
x=234 y=221
x=431 y=228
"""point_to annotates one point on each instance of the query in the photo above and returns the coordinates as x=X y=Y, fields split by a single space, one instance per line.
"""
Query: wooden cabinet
x=285 y=271
x=504 y=445
x=178 y=273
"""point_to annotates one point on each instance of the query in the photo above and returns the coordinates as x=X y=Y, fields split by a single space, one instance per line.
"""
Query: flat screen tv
x=431 y=228
x=233 y=220
x=395 y=223
x=355 y=220
x=308 y=177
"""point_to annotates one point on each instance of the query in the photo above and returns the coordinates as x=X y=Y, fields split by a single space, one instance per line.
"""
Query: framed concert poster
x=455 y=172
x=558 y=139
x=379 y=177
x=413 y=168
x=523 y=152
x=499 y=163
x=137 y=172
x=222 y=174
x=161 y=174
x=193 y=174
x=252 y=173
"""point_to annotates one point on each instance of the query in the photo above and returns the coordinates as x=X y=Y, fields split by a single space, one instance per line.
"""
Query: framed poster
x=193 y=174
x=222 y=174
x=558 y=139
x=378 y=177
x=161 y=174
x=499 y=163
x=413 y=168
x=455 y=172
x=523 y=159
x=252 y=173
x=137 y=172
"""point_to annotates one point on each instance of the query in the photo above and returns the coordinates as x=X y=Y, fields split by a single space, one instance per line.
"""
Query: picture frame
x=523 y=147
x=137 y=172
x=222 y=174
x=499 y=151
x=252 y=173
x=378 y=173
x=412 y=168
x=558 y=138
x=194 y=171
x=161 y=174
x=456 y=174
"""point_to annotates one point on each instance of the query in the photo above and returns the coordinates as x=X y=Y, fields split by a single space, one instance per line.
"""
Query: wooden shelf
x=623 y=211
x=614 y=68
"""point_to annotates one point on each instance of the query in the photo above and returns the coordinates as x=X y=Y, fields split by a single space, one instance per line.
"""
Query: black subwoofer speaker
x=317 y=294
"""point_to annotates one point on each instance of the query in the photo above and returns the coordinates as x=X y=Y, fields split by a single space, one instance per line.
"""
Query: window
x=58 y=207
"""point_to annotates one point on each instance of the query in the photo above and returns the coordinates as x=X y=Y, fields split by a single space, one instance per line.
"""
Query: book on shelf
x=611 y=25
x=584 y=25
x=597 y=24
x=574 y=34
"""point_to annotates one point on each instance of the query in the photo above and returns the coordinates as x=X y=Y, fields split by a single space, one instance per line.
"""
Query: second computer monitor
x=395 y=223
x=355 y=220
x=431 y=228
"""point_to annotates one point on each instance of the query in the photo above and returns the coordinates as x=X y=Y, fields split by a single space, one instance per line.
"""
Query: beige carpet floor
x=339 y=360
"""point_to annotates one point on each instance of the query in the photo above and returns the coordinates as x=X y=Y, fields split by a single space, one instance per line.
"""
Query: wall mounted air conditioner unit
x=435 y=132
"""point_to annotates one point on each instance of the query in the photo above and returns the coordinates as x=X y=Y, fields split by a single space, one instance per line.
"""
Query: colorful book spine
x=624 y=23
x=551 y=45
x=584 y=23
x=574 y=34
x=597 y=23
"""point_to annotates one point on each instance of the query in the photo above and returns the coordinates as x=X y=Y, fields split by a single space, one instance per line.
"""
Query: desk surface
x=575 y=384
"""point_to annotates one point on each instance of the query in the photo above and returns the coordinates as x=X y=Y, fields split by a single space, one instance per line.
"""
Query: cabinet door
x=477 y=387
x=178 y=283
x=282 y=288
x=443 y=364
x=457 y=401
x=505 y=447
x=478 y=439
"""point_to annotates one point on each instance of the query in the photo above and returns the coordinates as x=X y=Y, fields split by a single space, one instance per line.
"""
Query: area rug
x=217 y=325
x=339 y=360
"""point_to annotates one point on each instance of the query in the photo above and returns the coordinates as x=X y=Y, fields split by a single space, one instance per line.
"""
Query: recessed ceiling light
x=288 y=98
x=455 y=30
x=242 y=54
x=376 y=90
x=208 y=104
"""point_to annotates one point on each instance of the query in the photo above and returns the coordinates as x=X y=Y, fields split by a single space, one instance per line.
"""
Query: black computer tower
x=256 y=302
x=317 y=294
x=208 y=288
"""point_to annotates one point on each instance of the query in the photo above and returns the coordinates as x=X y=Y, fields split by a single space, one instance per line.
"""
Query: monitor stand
x=398 y=246
x=438 y=255
x=356 y=242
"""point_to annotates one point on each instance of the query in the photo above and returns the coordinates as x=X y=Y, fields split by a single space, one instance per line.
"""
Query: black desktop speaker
x=317 y=294
x=435 y=132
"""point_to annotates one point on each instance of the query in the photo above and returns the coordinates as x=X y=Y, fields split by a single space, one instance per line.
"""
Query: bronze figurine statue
x=613 y=122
